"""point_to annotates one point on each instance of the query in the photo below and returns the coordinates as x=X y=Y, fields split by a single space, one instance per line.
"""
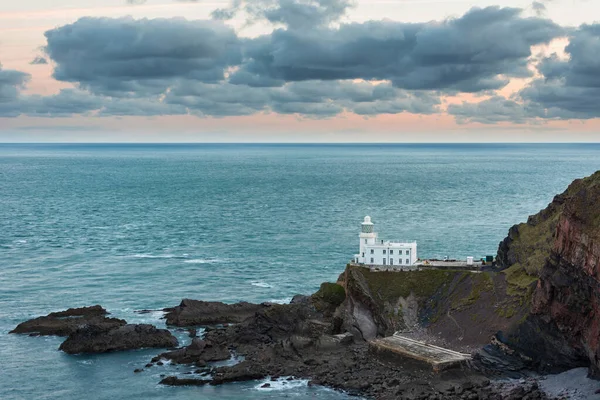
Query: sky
x=300 y=71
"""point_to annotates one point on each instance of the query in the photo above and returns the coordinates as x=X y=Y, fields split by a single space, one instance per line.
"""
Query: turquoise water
x=142 y=226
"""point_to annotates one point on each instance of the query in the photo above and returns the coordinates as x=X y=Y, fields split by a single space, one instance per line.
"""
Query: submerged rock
x=97 y=339
x=64 y=323
x=199 y=313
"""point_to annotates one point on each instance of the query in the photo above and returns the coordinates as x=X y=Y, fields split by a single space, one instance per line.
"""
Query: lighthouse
x=367 y=236
x=375 y=252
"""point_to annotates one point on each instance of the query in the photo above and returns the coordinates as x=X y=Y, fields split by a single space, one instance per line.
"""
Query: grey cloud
x=311 y=98
x=111 y=55
x=494 y=110
x=174 y=66
x=38 y=60
x=569 y=89
x=11 y=83
x=295 y=14
x=476 y=52
x=539 y=7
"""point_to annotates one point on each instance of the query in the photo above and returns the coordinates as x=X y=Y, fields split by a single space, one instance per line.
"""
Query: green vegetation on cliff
x=329 y=296
x=389 y=286
x=529 y=245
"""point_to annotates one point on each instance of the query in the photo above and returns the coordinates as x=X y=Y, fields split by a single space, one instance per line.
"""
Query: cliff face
x=459 y=309
x=558 y=251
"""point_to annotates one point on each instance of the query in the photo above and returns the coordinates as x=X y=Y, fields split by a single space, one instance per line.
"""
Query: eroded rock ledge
x=88 y=330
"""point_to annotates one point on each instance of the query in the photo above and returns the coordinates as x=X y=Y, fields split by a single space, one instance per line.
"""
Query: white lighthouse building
x=375 y=252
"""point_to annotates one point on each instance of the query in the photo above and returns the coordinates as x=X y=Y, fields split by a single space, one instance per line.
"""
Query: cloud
x=145 y=67
x=539 y=7
x=568 y=89
x=294 y=14
x=11 y=82
x=141 y=57
x=38 y=60
x=445 y=55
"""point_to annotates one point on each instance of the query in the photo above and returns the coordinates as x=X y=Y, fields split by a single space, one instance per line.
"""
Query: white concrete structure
x=373 y=251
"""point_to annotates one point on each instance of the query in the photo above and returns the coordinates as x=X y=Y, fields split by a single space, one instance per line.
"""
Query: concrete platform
x=449 y=264
x=397 y=348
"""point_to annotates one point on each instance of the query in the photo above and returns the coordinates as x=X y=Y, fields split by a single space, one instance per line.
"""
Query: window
x=363 y=254
x=384 y=261
x=372 y=261
x=391 y=251
x=400 y=261
x=372 y=251
x=407 y=261
x=407 y=252
x=391 y=261
x=384 y=252
x=365 y=241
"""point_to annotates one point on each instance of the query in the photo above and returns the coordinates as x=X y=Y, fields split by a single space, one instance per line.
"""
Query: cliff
x=554 y=261
x=458 y=309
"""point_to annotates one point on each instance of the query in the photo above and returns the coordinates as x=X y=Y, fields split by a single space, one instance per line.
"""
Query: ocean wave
x=261 y=284
x=155 y=256
x=287 y=300
x=203 y=261
x=281 y=384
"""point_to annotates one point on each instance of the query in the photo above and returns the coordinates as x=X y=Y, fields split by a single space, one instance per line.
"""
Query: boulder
x=97 y=339
x=64 y=323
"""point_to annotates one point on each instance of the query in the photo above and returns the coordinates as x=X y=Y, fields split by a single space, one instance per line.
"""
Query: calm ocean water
x=142 y=226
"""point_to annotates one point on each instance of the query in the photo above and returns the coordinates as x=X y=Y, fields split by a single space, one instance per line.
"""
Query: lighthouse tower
x=367 y=238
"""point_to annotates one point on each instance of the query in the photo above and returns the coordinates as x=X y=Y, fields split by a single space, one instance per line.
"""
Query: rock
x=199 y=351
x=266 y=385
x=175 y=381
x=64 y=323
x=193 y=333
x=244 y=371
x=137 y=370
x=200 y=313
x=97 y=339
x=558 y=252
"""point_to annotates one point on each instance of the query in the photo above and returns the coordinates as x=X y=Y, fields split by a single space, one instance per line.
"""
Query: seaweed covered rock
x=64 y=323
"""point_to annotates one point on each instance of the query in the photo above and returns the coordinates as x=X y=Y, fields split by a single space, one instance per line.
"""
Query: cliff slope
x=553 y=260
x=459 y=309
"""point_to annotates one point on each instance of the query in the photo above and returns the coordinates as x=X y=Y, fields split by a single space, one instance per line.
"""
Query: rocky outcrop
x=202 y=313
x=175 y=381
x=64 y=323
x=98 y=339
x=559 y=251
x=199 y=352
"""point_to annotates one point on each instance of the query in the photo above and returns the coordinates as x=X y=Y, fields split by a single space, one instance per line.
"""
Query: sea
x=141 y=226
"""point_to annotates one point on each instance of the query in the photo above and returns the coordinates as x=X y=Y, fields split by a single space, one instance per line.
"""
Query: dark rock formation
x=98 y=339
x=201 y=313
x=198 y=352
x=64 y=323
x=555 y=259
x=175 y=381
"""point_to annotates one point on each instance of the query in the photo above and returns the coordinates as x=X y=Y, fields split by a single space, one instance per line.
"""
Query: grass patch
x=389 y=286
x=329 y=295
x=520 y=283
